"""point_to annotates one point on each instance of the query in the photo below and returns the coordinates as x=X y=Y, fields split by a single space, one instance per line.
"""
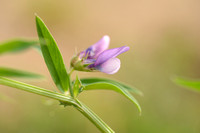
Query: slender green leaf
x=86 y=81
x=8 y=72
x=36 y=90
x=17 y=45
x=52 y=57
x=110 y=86
x=193 y=84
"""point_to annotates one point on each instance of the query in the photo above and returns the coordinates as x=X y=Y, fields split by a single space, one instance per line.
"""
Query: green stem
x=70 y=88
x=98 y=122
x=70 y=83
x=36 y=90
x=71 y=71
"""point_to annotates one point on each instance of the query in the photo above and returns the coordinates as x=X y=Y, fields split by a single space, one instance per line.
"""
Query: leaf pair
x=15 y=46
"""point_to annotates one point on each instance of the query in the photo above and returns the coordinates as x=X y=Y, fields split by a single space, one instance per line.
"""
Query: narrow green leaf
x=77 y=87
x=52 y=57
x=110 y=86
x=86 y=81
x=36 y=90
x=8 y=72
x=17 y=45
x=193 y=84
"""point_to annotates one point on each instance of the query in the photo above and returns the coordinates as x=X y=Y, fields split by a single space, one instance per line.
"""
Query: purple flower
x=97 y=57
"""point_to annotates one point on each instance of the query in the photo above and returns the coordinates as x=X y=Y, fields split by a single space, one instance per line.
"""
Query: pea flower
x=98 y=58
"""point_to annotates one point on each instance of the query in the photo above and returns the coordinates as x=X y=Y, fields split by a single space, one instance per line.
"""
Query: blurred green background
x=164 y=37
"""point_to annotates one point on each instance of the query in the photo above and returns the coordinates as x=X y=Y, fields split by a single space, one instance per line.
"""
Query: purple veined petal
x=111 y=66
x=98 y=47
x=111 y=53
x=89 y=61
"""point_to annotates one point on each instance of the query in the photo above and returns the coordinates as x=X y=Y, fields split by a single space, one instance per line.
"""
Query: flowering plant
x=94 y=58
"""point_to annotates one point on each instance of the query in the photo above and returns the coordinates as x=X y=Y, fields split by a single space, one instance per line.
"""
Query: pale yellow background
x=164 y=37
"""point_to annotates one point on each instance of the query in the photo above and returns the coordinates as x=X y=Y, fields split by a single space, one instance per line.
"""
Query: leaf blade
x=16 y=45
x=9 y=72
x=86 y=81
x=109 y=86
x=52 y=57
x=192 y=84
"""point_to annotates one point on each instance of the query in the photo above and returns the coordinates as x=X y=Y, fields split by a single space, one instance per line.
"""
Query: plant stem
x=98 y=122
x=36 y=90
x=71 y=71
x=70 y=83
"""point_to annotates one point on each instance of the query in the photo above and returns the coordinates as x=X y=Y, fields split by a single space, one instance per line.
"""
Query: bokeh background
x=164 y=37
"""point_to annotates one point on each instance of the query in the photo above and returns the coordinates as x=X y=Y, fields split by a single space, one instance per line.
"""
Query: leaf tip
x=177 y=80
x=174 y=78
x=139 y=109
x=38 y=19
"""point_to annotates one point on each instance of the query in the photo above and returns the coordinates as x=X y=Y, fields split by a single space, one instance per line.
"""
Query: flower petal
x=89 y=61
x=111 y=53
x=111 y=66
x=81 y=54
x=98 y=47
